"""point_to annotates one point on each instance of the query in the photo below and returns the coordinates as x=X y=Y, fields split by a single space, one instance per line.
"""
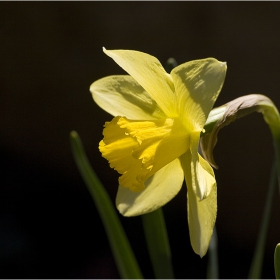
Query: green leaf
x=123 y=254
x=158 y=245
x=277 y=261
x=256 y=266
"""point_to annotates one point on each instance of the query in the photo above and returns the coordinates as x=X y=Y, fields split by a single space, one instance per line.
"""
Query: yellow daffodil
x=153 y=138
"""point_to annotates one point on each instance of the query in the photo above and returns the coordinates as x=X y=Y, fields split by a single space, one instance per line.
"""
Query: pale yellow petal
x=202 y=174
x=123 y=96
x=150 y=74
x=201 y=213
x=197 y=86
x=160 y=189
x=201 y=218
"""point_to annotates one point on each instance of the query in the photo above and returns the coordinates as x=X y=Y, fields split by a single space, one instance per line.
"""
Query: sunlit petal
x=160 y=189
x=150 y=74
x=197 y=86
x=123 y=96
x=202 y=174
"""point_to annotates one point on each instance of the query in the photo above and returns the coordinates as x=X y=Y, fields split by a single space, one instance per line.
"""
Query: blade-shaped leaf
x=123 y=254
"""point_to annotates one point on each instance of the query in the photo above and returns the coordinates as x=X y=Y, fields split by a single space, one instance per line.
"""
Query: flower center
x=138 y=149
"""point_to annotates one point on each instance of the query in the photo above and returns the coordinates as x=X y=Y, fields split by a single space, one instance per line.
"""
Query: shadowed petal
x=123 y=96
x=201 y=213
x=150 y=74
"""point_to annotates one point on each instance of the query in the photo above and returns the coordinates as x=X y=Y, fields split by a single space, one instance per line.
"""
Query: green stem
x=123 y=254
x=256 y=266
x=277 y=249
x=158 y=245
x=213 y=262
x=277 y=261
x=277 y=158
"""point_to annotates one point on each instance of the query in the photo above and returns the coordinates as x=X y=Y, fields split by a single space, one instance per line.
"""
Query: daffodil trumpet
x=153 y=138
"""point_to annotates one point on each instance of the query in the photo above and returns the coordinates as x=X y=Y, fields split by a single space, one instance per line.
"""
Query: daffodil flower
x=153 y=138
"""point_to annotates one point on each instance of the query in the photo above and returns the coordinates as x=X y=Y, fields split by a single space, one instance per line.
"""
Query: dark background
x=50 y=54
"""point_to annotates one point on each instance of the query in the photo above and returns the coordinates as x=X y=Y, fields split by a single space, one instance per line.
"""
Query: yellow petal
x=123 y=96
x=202 y=174
x=160 y=189
x=197 y=86
x=201 y=213
x=138 y=149
x=150 y=74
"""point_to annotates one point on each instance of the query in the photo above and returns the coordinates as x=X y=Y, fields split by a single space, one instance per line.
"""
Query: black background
x=50 y=54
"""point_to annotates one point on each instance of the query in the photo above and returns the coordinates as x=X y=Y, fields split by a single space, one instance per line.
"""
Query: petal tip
x=223 y=65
